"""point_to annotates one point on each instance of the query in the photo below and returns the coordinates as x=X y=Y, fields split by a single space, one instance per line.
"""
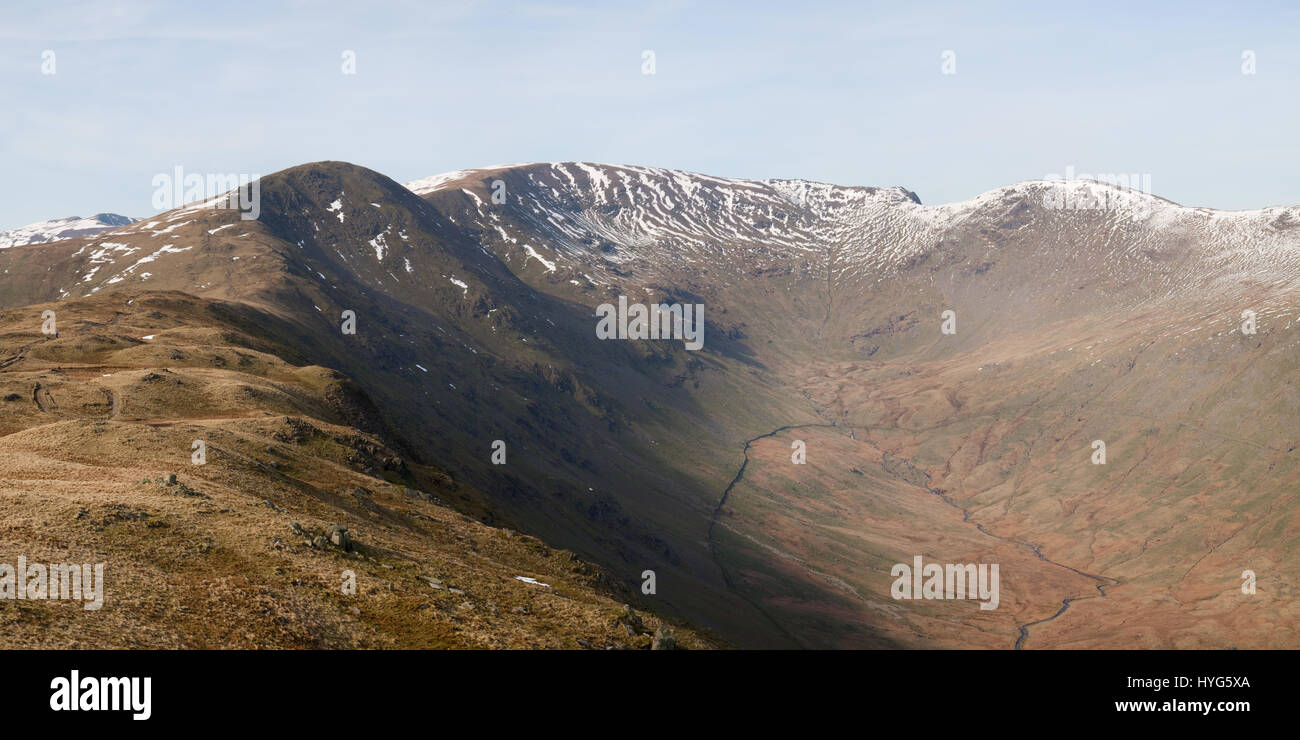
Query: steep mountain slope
x=457 y=353
x=1082 y=311
x=61 y=228
x=1085 y=312
x=97 y=433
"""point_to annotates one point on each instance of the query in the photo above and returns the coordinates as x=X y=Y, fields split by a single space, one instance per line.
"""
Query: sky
x=854 y=93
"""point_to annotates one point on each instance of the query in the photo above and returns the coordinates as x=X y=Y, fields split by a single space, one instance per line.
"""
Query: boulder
x=664 y=639
x=338 y=536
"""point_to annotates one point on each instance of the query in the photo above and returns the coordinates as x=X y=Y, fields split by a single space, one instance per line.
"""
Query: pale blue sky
x=850 y=93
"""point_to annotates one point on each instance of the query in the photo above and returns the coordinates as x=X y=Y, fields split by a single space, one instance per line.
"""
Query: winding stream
x=1102 y=581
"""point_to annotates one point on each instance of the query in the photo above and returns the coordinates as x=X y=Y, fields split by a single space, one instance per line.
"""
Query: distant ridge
x=62 y=228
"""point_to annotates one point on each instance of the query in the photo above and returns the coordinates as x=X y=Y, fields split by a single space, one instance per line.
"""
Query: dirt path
x=114 y=408
x=44 y=406
x=22 y=352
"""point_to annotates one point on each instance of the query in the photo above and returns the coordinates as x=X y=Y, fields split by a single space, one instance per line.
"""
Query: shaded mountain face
x=61 y=228
x=1081 y=313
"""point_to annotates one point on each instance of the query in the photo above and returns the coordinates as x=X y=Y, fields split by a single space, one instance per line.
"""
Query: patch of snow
x=550 y=266
x=337 y=207
x=380 y=245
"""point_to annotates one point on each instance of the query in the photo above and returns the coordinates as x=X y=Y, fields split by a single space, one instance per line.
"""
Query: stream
x=1102 y=581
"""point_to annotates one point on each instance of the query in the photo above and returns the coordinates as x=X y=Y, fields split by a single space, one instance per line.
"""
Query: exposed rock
x=339 y=537
x=633 y=620
x=296 y=431
x=664 y=639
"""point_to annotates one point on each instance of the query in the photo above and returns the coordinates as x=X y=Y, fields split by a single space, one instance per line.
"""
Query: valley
x=477 y=318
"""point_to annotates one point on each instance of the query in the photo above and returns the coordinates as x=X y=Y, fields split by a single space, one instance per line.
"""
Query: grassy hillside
x=98 y=427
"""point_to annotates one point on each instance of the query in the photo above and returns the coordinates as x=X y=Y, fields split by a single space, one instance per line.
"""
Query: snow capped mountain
x=601 y=220
x=61 y=228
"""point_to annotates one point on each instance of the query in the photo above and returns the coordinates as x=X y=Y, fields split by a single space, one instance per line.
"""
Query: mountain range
x=948 y=369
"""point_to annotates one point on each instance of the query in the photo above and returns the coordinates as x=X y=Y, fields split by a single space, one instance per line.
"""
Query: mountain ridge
x=61 y=228
x=424 y=185
x=823 y=313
